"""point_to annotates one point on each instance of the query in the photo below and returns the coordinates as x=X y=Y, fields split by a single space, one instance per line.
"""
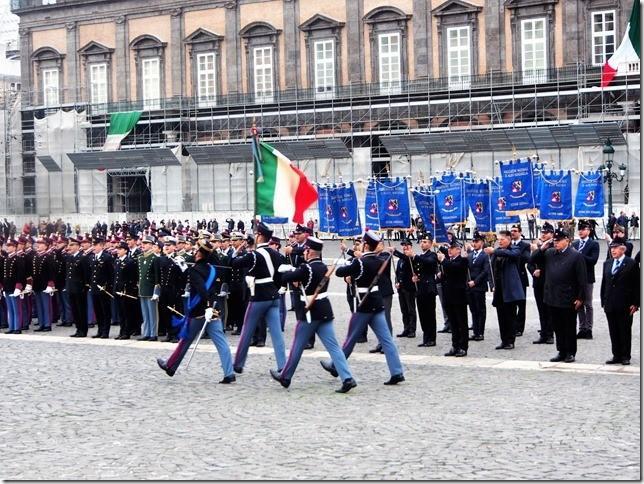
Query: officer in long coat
x=453 y=277
x=477 y=285
x=77 y=276
x=101 y=280
x=126 y=292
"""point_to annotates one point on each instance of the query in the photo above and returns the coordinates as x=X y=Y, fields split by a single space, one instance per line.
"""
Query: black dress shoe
x=460 y=353
x=404 y=334
x=347 y=385
x=285 y=382
x=309 y=346
x=238 y=369
x=395 y=379
x=10 y=332
x=540 y=341
x=614 y=361
x=154 y=338
x=143 y=338
x=162 y=364
x=451 y=352
x=557 y=358
x=362 y=340
x=104 y=336
x=228 y=379
x=236 y=332
x=66 y=325
x=519 y=333
x=77 y=335
x=626 y=362
x=431 y=343
x=329 y=367
x=42 y=329
x=96 y=336
x=550 y=341
x=260 y=344
x=172 y=340
x=377 y=349
x=569 y=359
x=411 y=335
x=60 y=324
x=422 y=345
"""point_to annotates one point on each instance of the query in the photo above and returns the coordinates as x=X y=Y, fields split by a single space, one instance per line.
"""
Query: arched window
x=150 y=70
x=48 y=69
x=97 y=62
x=262 y=59
x=205 y=59
x=322 y=40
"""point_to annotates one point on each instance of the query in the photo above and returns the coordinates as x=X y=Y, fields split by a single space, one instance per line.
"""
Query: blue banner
x=274 y=220
x=392 y=196
x=589 y=202
x=346 y=215
x=450 y=199
x=498 y=205
x=517 y=189
x=371 y=218
x=556 y=196
x=537 y=184
x=432 y=219
x=326 y=210
x=478 y=199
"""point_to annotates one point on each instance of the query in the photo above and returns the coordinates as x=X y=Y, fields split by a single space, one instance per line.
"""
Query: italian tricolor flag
x=120 y=126
x=282 y=190
x=628 y=51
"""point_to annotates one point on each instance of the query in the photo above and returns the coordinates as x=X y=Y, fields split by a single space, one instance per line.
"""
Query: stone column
x=572 y=32
x=72 y=90
x=121 y=58
x=291 y=44
x=27 y=83
x=422 y=55
x=177 y=57
x=494 y=31
x=355 y=12
x=233 y=53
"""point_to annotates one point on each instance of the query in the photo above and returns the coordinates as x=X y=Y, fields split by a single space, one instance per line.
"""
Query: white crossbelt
x=265 y=280
x=362 y=290
x=322 y=295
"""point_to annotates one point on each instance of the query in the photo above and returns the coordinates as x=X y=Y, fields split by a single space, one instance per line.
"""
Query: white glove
x=155 y=297
x=285 y=268
x=209 y=312
x=49 y=290
x=344 y=262
x=28 y=288
x=181 y=262
x=186 y=294
x=281 y=290
x=16 y=292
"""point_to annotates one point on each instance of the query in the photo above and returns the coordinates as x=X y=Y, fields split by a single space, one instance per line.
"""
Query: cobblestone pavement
x=101 y=409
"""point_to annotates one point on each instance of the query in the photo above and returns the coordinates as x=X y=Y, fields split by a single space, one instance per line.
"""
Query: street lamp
x=607 y=167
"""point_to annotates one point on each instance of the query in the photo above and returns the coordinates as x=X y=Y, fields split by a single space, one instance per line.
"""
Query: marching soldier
x=76 y=284
x=125 y=290
x=425 y=278
x=13 y=282
x=172 y=283
x=42 y=282
x=264 y=284
x=453 y=277
x=590 y=250
x=620 y=296
x=201 y=310
x=102 y=278
x=148 y=265
x=563 y=291
x=538 y=272
x=312 y=278
x=477 y=284
x=407 y=288
x=370 y=310
x=295 y=253
x=276 y=244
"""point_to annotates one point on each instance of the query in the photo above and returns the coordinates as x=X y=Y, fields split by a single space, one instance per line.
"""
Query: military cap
x=547 y=228
x=455 y=243
x=74 y=240
x=61 y=238
x=314 y=243
x=371 y=238
x=275 y=240
x=477 y=236
x=236 y=236
x=216 y=237
x=131 y=237
x=265 y=230
x=85 y=240
x=225 y=235
x=561 y=234
x=11 y=242
x=42 y=240
x=122 y=245
x=181 y=239
x=22 y=240
x=98 y=240
x=405 y=242
x=169 y=240
x=205 y=246
x=619 y=228
x=204 y=234
x=426 y=236
x=190 y=240
x=583 y=224
x=517 y=226
x=148 y=239
x=617 y=242
x=303 y=229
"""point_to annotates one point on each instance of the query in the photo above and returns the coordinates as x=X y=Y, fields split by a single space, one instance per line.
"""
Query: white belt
x=264 y=281
x=362 y=290
x=308 y=299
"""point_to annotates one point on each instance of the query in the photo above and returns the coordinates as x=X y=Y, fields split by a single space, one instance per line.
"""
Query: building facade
x=344 y=86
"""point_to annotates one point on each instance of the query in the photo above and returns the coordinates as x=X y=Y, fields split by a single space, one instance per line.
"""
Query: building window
x=533 y=50
x=206 y=76
x=459 y=58
x=324 y=68
x=263 y=67
x=603 y=28
x=98 y=83
x=50 y=87
x=205 y=59
x=151 y=80
x=389 y=63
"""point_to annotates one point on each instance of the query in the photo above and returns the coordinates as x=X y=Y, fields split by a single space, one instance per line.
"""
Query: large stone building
x=346 y=88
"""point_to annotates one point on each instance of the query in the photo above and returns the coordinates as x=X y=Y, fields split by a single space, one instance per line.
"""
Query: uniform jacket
x=524 y=248
x=622 y=290
x=309 y=275
x=256 y=264
x=14 y=273
x=565 y=276
x=363 y=271
x=479 y=271
x=197 y=276
x=102 y=273
x=76 y=273
x=148 y=264
x=454 y=280
x=59 y=269
x=505 y=267
x=590 y=252
x=404 y=273
x=42 y=271
x=126 y=276
x=384 y=282
x=427 y=264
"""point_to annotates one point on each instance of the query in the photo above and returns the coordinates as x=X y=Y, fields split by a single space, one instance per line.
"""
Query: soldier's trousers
x=26 y=311
x=165 y=315
x=237 y=302
x=102 y=310
x=585 y=313
x=427 y=315
x=458 y=322
x=150 y=316
x=507 y=315
x=620 y=326
x=378 y=324
x=257 y=312
x=544 y=313
x=14 y=312
x=129 y=309
x=215 y=330
x=564 y=322
x=476 y=302
x=91 y=314
x=303 y=332
x=44 y=308
x=66 y=315
x=407 y=301
x=78 y=303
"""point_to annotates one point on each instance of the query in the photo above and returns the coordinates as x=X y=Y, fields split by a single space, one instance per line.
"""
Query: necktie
x=476 y=254
x=615 y=266
x=581 y=245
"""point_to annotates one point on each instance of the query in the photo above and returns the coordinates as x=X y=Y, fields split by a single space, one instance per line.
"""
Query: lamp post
x=609 y=175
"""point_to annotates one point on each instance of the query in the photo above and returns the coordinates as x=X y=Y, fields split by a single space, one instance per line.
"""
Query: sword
x=104 y=290
x=215 y=315
x=125 y=295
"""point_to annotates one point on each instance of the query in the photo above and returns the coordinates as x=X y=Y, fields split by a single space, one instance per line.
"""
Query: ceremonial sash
x=192 y=303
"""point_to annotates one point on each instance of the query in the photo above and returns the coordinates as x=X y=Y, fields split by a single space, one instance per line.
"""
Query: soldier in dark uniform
x=133 y=250
x=62 y=298
x=538 y=272
x=76 y=284
x=620 y=296
x=371 y=310
x=590 y=250
x=126 y=278
x=238 y=296
x=102 y=274
x=319 y=319
x=13 y=281
x=200 y=278
x=26 y=253
x=276 y=244
x=425 y=279
x=42 y=282
x=407 y=288
x=264 y=283
x=454 y=279
x=386 y=290
x=172 y=282
x=88 y=255
x=524 y=250
x=563 y=291
x=477 y=285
